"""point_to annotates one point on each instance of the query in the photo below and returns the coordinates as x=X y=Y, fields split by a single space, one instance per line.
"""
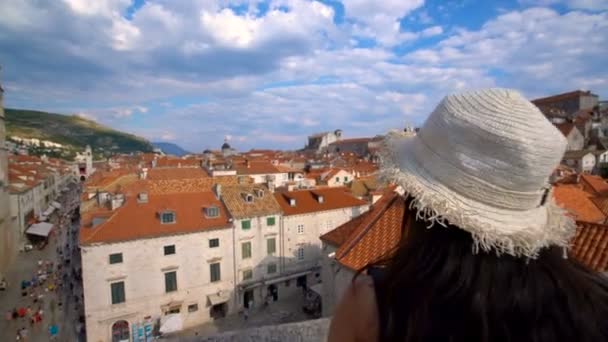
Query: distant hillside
x=71 y=130
x=170 y=148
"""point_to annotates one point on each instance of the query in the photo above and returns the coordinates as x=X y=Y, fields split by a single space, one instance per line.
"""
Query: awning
x=49 y=211
x=289 y=277
x=219 y=298
x=40 y=229
x=171 y=323
x=317 y=288
x=56 y=204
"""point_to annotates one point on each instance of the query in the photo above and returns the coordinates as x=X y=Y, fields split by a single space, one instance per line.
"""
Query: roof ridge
x=363 y=231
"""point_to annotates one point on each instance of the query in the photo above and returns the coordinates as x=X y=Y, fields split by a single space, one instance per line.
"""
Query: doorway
x=218 y=311
x=120 y=331
x=273 y=292
x=248 y=299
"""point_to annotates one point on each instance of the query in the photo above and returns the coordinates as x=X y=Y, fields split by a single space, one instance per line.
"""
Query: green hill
x=71 y=130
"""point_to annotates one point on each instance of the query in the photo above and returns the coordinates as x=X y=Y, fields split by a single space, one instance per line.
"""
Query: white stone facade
x=142 y=270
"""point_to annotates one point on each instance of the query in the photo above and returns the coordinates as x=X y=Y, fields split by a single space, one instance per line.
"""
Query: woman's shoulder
x=356 y=317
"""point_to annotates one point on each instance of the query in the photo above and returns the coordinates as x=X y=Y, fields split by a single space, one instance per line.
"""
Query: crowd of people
x=54 y=281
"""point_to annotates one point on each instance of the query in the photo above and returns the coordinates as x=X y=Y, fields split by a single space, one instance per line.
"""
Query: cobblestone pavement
x=59 y=306
x=286 y=310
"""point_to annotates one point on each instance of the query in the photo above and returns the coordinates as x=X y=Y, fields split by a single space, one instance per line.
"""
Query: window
x=270 y=221
x=337 y=179
x=214 y=243
x=246 y=250
x=118 y=292
x=246 y=224
x=169 y=249
x=173 y=310
x=214 y=269
x=193 y=308
x=272 y=268
x=247 y=274
x=346 y=179
x=171 y=281
x=248 y=198
x=167 y=217
x=300 y=229
x=116 y=258
x=212 y=212
x=271 y=246
x=300 y=253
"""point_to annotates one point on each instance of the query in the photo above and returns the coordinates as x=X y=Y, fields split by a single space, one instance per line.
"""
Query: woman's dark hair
x=435 y=288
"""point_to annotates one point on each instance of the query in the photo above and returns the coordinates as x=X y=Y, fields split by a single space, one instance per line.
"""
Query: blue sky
x=267 y=73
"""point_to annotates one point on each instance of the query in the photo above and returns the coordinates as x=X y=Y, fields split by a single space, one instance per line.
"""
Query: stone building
x=321 y=141
x=569 y=103
x=158 y=260
x=6 y=248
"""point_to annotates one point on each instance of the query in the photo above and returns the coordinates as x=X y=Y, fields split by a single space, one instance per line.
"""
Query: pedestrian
x=15 y=313
x=23 y=332
x=9 y=315
x=18 y=338
x=246 y=313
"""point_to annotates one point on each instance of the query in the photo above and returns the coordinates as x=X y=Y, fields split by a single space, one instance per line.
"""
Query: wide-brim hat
x=482 y=162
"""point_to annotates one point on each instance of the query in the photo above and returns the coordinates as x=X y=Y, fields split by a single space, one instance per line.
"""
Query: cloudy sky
x=267 y=73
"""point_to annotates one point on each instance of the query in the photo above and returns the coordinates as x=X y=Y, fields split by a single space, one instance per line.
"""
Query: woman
x=484 y=254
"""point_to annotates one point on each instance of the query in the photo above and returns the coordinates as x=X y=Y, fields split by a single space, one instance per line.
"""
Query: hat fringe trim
x=437 y=210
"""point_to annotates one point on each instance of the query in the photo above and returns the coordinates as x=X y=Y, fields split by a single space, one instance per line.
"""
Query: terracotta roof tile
x=178 y=162
x=307 y=200
x=578 y=203
x=601 y=203
x=363 y=186
x=560 y=97
x=596 y=185
x=255 y=168
x=141 y=220
x=373 y=237
x=176 y=173
x=263 y=203
x=590 y=245
x=565 y=127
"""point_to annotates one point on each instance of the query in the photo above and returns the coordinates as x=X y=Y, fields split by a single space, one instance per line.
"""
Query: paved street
x=286 y=310
x=59 y=295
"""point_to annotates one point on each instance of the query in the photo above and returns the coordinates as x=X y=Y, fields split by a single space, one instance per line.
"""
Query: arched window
x=120 y=331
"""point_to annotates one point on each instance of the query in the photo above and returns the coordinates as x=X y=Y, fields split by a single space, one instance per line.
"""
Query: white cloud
x=380 y=19
x=432 y=31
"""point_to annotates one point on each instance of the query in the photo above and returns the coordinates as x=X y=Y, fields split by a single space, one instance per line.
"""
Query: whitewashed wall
x=142 y=271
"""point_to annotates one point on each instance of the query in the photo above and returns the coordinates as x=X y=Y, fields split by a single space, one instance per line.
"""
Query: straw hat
x=482 y=162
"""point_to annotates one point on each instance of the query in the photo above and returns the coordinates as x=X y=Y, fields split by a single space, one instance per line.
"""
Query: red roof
x=307 y=201
x=136 y=220
x=578 y=203
x=590 y=245
x=561 y=97
x=256 y=168
x=565 y=128
x=595 y=185
x=176 y=173
x=372 y=236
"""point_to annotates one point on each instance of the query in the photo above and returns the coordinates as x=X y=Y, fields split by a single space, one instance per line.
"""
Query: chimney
x=320 y=198
x=217 y=189
x=142 y=197
x=247 y=163
x=292 y=202
x=143 y=174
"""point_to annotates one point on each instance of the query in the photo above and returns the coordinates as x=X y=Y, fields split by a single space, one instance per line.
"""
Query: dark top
x=378 y=275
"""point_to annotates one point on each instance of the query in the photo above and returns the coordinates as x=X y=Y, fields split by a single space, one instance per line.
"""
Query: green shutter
x=270 y=221
x=215 y=272
x=170 y=281
x=118 y=292
x=246 y=224
x=246 y=250
x=116 y=258
x=271 y=245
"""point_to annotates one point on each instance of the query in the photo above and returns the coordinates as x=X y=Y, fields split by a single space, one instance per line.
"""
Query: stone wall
x=307 y=331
